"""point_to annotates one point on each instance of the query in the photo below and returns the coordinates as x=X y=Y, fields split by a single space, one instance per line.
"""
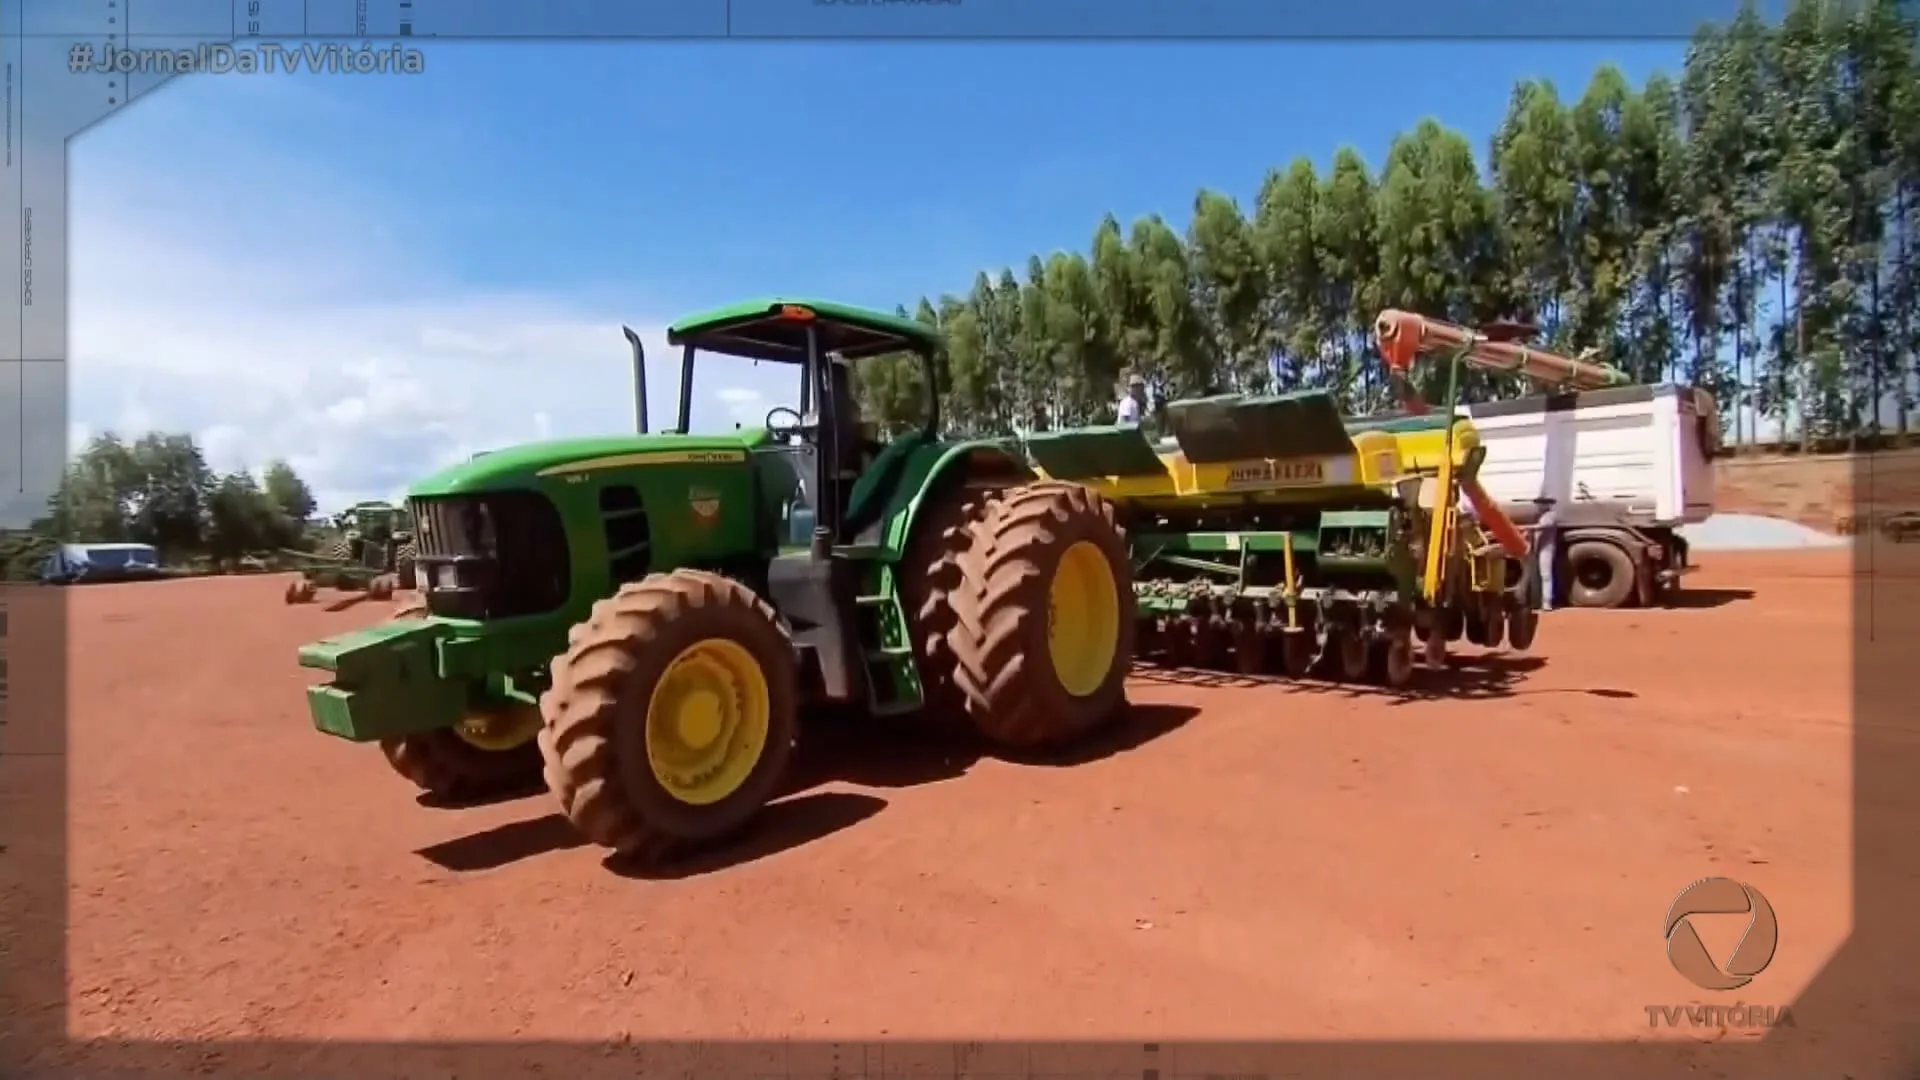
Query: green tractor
x=644 y=619
x=373 y=554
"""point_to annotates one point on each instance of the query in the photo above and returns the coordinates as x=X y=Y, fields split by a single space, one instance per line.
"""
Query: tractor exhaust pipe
x=639 y=380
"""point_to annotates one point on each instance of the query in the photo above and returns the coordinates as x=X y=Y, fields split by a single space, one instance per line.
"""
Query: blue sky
x=376 y=274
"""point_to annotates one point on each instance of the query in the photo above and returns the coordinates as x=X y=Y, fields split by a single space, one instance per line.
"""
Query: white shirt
x=1129 y=410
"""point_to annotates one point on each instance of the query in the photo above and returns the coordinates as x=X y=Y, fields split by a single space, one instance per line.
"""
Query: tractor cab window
x=771 y=366
x=731 y=393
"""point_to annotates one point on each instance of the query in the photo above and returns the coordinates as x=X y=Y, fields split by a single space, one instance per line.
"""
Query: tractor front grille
x=492 y=556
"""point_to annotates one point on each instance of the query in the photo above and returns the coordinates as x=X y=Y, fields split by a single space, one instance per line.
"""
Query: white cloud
x=745 y=404
x=317 y=339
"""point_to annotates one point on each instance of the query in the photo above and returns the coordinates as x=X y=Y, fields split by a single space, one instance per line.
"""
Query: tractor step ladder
x=892 y=675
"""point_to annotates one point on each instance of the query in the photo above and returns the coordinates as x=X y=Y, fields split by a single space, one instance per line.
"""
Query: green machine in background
x=638 y=620
x=373 y=554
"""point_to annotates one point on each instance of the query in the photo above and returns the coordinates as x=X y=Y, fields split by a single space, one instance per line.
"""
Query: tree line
x=1749 y=227
x=158 y=489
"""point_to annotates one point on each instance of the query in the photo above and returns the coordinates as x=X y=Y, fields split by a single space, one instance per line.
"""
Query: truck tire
x=931 y=584
x=453 y=769
x=1601 y=575
x=672 y=715
x=1029 y=681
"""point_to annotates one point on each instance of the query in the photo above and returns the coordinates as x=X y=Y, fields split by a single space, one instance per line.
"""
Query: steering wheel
x=783 y=431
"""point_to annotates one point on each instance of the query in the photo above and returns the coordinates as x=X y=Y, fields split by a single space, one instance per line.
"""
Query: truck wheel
x=1046 y=616
x=488 y=756
x=1603 y=575
x=930 y=584
x=672 y=715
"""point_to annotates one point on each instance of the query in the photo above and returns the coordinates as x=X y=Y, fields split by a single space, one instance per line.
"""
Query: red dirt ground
x=1250 y=862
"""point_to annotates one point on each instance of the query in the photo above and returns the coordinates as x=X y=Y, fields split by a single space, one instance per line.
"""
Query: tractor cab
x=368 y=528
x=819 y=456
x=819 y=464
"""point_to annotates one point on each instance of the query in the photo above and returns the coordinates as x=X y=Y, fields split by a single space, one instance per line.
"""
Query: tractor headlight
x=446 y=577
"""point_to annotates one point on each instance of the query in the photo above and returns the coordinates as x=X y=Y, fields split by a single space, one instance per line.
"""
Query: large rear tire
x=456 y=767
x=672 y=715
x=1046 y=617
x=405 y=565
x=931 y=581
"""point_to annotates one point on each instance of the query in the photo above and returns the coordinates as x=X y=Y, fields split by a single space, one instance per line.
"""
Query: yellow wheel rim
x=504 y=729
x=707 y=721
x=1083 y=619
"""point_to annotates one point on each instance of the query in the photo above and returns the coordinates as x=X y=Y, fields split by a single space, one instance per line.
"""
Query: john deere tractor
x=645 y=619
x=373 y=554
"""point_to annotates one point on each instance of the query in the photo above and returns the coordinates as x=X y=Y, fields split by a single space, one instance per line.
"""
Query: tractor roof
x=776 y=329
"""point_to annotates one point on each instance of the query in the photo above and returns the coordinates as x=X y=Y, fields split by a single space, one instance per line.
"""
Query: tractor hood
x=524 y=466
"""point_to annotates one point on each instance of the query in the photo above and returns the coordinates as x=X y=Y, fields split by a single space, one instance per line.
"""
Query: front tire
x=672 y=715
x=449 y=768
x=1047 y=617
x=454 y=768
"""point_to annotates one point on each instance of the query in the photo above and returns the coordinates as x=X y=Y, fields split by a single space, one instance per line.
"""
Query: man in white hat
x=1134 y=402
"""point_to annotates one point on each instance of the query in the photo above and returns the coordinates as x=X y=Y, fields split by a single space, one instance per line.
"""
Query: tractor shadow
x=859 y=751
x=1474 y=676
x=781 y=826
x=865 y=752
x=535 y=786
x=868 y=754
x=1700 y=599
x=1470 y=677
x=350 y=600
x=501 y=845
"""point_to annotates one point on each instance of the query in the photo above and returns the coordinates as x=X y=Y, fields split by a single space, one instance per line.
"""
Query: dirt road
x=1248 y=862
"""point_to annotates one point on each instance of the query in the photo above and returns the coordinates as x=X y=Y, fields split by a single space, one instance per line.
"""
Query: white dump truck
x=1622 y=464
x=1625 y=467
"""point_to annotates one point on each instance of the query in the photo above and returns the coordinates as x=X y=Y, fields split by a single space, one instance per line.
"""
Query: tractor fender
x=936 y=465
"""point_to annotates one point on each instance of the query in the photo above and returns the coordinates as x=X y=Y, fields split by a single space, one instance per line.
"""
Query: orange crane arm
x=1403 y=336
x=1495 y=520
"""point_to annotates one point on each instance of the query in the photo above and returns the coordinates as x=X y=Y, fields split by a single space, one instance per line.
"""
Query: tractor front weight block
x=386 y=682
